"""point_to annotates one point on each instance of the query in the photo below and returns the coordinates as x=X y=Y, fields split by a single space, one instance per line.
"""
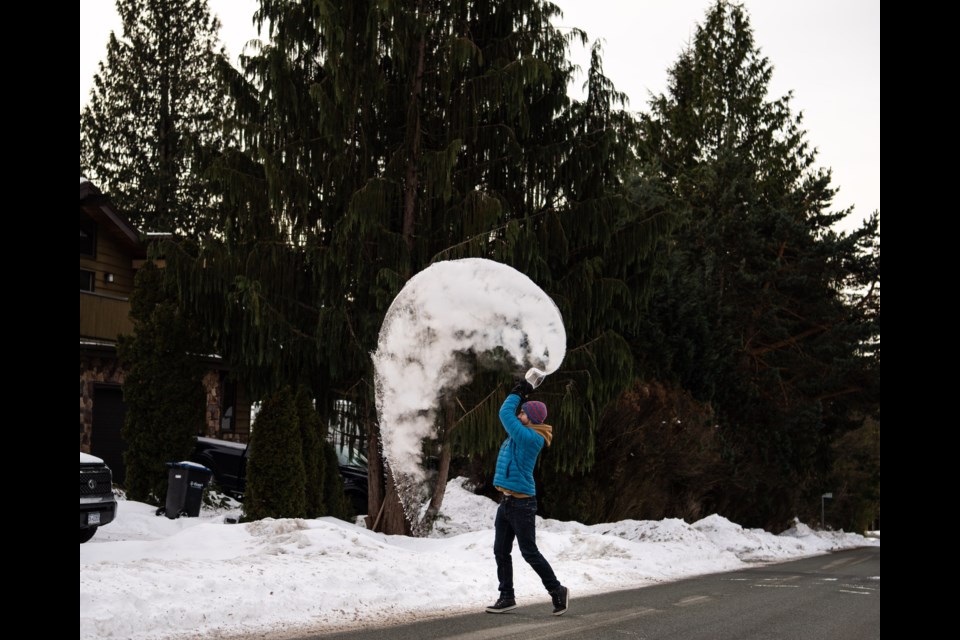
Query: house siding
x=111 y=257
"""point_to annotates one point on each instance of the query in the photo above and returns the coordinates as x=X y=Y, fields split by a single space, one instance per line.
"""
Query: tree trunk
x=413 y=124
x=161 y=221
x=442 y=474
x=393 y=521
x=375 y=479
x=391 y=518
x=383 y=503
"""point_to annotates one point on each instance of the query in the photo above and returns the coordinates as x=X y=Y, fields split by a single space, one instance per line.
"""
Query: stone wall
x=211 y=382
x=218 y=399
x=106 y=369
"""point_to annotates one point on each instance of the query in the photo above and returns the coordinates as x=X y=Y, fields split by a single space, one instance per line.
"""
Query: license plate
x=93 y=518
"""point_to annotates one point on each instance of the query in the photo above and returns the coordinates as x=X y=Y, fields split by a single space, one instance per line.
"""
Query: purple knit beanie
x=536 y=411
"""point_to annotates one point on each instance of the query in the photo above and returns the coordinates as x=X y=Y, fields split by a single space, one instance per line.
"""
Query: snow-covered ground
x=145 y=576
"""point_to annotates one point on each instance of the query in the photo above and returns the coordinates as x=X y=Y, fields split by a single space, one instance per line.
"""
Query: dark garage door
x=108 y=414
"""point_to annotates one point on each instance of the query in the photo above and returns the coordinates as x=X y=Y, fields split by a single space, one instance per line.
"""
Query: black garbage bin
x=185 y=485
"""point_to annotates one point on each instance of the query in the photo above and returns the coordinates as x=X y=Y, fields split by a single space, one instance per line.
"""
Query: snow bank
x=146 y=577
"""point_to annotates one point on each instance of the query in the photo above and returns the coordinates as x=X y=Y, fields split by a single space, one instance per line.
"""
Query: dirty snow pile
x=144 y=576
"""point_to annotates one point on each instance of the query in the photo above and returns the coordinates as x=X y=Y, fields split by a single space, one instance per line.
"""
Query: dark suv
x=97 y=504
x=228 y=463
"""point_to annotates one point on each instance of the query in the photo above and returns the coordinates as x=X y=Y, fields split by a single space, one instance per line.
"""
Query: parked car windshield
x=351 y=457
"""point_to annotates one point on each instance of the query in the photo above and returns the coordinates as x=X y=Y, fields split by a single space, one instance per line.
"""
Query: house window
x=88 y=236
x=226 y=422
x=87 y=279
x=228 y=418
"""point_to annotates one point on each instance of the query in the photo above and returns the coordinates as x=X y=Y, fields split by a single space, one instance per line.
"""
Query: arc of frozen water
x=451 y=308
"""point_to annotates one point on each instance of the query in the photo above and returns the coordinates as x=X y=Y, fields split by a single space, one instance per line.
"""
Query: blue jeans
x=515 y=519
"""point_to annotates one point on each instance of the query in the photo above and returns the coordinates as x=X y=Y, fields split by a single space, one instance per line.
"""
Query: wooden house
x=111 y=251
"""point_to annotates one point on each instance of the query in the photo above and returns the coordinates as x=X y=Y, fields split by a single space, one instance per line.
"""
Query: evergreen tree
x=764 y=309
x=335 y=501
x=658 y=456
x=155 y=114
x=163 y=387
x=314 y=459
x=855 y=481
x=276 y=478
x=381 y=137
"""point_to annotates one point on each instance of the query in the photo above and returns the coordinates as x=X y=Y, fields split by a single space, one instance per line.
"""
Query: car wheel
x=86 y=534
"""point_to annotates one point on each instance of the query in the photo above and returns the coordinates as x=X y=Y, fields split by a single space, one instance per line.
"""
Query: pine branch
x=476 y=406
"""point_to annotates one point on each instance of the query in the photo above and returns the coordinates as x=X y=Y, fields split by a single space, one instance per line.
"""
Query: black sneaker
x=502 y=605
x=560 y=599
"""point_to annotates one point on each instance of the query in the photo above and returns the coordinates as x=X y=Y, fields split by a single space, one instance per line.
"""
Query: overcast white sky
x=826 y=51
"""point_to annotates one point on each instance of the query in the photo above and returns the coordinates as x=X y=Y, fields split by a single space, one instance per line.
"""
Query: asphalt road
x=835 y=596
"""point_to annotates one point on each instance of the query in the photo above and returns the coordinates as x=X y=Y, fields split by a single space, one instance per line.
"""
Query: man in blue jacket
x=516 y=517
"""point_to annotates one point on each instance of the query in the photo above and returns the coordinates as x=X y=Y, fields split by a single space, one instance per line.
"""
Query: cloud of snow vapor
x=446 y=311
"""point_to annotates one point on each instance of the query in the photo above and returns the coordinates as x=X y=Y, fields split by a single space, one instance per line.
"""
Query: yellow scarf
x=544 y=430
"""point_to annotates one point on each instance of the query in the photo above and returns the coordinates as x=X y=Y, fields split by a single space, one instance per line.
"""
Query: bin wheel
x=161 y=511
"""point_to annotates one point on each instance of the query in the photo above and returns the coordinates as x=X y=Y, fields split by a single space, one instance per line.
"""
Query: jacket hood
x=544 y=430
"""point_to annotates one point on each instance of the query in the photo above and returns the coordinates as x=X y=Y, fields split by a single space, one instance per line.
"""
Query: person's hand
x=522 y=388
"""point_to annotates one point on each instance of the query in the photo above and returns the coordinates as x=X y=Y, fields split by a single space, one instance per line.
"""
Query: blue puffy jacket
x=518 y=453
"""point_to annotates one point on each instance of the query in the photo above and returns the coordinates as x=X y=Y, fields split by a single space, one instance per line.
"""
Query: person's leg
x=523 y=520
x=502 y=546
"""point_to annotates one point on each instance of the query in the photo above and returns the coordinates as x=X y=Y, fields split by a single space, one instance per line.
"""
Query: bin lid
x=186 y=464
